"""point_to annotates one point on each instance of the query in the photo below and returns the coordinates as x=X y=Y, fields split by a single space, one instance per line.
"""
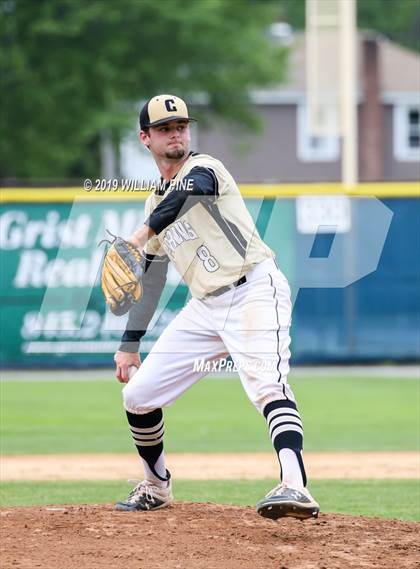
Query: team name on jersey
x=178 y=233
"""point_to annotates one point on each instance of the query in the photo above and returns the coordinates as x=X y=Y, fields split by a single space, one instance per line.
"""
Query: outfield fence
x=351 y=258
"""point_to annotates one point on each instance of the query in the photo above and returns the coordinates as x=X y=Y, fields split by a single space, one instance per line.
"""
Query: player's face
x=169 y=140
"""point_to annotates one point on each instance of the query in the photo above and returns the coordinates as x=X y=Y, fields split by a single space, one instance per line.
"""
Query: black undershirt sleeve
x=141 y=312
x=204 y=187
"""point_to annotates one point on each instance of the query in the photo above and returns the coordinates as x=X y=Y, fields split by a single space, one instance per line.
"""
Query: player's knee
x=267 y=394
x=134 y=400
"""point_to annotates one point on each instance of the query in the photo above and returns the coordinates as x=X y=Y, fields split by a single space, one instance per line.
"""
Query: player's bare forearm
x=141 y=236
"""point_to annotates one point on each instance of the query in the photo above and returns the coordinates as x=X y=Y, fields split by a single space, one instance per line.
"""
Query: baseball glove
x=122 y=272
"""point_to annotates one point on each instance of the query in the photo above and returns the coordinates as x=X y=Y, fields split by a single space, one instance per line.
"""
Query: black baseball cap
x=162 y=109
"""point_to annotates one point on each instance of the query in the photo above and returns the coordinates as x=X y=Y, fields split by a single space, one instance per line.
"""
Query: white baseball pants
x=250 y=322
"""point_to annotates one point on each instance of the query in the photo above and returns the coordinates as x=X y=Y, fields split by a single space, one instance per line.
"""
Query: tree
x=72 y=69
x=399 y=20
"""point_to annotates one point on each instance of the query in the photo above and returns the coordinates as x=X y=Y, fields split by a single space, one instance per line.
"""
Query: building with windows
x=285 y=150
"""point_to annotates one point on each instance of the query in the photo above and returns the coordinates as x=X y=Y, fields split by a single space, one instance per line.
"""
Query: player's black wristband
x=130 y=341
x=129 y=347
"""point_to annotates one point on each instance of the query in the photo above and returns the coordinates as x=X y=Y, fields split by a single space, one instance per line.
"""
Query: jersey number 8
x=209 y=262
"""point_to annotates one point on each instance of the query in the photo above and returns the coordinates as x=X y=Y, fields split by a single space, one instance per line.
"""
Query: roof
x=399 y=71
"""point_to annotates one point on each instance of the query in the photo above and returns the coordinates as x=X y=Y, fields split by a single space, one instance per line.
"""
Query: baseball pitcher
x=240 y=305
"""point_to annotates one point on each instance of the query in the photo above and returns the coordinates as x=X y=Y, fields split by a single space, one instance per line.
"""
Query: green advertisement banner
x=53 y=312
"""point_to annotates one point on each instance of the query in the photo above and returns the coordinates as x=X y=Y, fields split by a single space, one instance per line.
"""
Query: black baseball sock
x=286 y=432
x=147 y=431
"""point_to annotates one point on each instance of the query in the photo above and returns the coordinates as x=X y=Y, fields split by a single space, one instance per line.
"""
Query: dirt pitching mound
x=199 y=536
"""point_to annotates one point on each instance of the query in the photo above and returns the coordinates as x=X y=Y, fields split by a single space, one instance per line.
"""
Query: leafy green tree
x=399 y=20
x=73 y=69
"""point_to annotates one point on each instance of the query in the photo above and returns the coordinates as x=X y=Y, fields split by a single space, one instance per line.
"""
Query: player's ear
x=145 y=137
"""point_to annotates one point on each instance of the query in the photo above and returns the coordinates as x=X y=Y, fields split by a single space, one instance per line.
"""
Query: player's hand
x=140 y=237
x=123 y=361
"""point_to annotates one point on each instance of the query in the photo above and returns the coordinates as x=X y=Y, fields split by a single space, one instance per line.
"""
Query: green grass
x=339 y=414
x=383 y=498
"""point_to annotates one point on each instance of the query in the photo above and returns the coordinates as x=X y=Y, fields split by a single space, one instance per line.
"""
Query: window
x=407 y=132
x=314 y=148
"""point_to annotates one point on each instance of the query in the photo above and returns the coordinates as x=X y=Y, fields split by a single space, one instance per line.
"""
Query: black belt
x=224 y=289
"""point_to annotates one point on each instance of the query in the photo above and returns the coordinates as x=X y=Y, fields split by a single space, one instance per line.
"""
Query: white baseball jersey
x=213 y=242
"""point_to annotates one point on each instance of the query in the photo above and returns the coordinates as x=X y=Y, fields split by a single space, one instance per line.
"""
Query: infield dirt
x=200 y=536
x=354 y=465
